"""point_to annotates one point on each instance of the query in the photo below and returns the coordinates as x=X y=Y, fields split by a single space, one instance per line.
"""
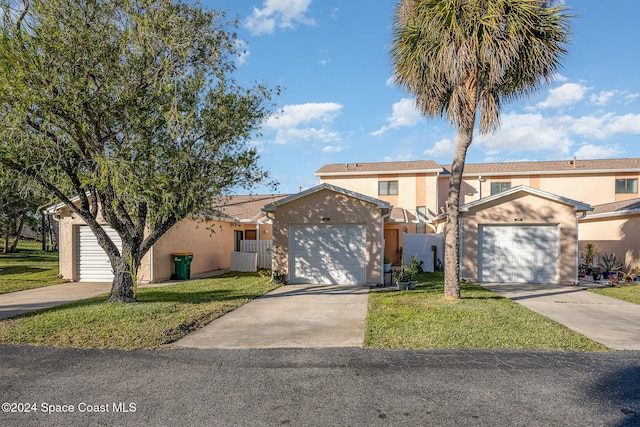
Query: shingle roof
x=616 y=207
x=572 y=165
x=245 y=207
x=378 y=167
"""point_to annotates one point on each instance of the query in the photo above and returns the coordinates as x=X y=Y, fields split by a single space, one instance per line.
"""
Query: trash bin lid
x=182 y=254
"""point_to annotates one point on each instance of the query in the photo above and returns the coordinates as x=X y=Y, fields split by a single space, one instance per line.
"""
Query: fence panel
x=244 y=261
x=260 y=247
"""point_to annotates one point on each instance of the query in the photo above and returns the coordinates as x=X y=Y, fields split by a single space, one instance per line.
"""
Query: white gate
x=422 y=247
x=253 y=254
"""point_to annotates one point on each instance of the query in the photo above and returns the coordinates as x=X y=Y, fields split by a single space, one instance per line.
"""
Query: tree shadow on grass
x=20 y=269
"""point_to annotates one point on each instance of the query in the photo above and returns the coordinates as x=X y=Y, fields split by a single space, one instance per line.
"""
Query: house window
x=626 y=186
x=388 y=188
x=421 y=227
x=499 y=187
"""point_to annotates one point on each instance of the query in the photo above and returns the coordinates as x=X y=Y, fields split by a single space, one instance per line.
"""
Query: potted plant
x=596 y=272
x=413 y=269
x=610 y=267
x=387 y=265
x=402 y=279
x=589 y=254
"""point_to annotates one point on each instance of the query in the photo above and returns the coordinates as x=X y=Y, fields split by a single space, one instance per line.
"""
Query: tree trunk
x=14 y=246
x=452 y=227
x=123 y=286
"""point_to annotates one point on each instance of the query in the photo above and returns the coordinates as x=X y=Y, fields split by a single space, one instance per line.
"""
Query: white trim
x=271 y=207
x=551 y=172
x=380 y=172
x=611 y=214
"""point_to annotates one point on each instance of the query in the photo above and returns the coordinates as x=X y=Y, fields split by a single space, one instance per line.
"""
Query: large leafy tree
x=126 y=110
x=464 y=58
x=20 y=203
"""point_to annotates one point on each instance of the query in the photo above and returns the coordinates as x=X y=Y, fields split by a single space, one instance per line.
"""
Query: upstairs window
x=627 y=186
x=499 y=187
x=388 y=188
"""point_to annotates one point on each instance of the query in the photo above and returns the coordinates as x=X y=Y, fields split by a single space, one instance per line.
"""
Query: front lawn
x=161 y=316
x=630 y=293
x=28 y=268
x=481 y=319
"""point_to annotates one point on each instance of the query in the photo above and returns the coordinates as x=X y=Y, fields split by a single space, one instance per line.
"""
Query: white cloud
x=444 y=147
x=567 y=94
x=605 y=126
x=590 y=151
x=603 y=97
x=403 y=113
x=528 y=132
x=283 y=14
x=332 y=149
x=300 y=122
x=391 y=81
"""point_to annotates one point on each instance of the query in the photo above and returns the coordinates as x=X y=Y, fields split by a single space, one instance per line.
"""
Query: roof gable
x=271 y=207
x=579 y=206
x=621 y=208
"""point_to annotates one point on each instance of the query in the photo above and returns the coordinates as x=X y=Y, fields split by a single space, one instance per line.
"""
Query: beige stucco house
x=211 y=242
x=419 y=188
x=329 y=235
x=361 y=212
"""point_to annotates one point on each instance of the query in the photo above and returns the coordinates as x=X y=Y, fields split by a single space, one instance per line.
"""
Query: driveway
x=292 y=316
x=609 y=321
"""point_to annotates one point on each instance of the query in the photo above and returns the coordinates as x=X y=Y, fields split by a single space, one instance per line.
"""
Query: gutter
x=387 y=215
x=578 y=218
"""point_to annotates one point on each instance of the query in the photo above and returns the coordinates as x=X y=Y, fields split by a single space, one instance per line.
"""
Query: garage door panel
x=519 y=254
x=92 y=263
x=328 y=254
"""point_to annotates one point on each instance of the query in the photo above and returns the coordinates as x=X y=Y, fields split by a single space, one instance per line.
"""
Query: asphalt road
x=321 y=387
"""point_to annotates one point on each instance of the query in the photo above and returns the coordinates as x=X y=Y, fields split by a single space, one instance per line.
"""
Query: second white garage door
x=92 y=263
x=327 y=254
x=520 y=254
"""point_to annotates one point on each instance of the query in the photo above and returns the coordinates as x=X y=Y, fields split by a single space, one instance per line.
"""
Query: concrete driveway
x=292 y=316
x=609 y=321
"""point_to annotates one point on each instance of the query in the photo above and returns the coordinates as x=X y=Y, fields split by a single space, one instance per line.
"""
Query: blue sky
x=340 y=106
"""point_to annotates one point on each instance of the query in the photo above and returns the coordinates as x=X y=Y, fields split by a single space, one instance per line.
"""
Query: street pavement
x=609 y=321
x=317 y=387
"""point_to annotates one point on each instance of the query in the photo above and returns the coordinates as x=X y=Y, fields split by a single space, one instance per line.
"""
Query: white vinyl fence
x=253 y=254
x=423 y=247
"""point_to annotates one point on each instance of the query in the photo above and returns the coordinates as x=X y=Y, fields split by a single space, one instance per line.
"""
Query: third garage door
x=327 y=254
x=521 y=254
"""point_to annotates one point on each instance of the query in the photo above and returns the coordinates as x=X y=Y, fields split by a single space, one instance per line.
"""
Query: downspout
x=460 y=249
x=479 y=186
x=151 y=264
x=387 y=215
x=578 y=244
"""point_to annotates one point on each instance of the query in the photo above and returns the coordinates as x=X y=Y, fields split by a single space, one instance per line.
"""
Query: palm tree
x=461 y=58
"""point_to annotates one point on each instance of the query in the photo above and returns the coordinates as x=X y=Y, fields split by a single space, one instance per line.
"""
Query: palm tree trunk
x=452 y=228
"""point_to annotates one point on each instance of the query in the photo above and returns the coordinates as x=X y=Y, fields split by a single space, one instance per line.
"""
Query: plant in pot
x=610 y=267
x=387 y=265
x=596 y=272
x=413 y=269
x=589 y=254
x=402 y=279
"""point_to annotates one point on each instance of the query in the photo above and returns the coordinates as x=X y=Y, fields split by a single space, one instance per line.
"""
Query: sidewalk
x=609 y=321
x=15 y=303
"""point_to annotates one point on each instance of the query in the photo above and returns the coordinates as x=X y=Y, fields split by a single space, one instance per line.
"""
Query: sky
x=339 y=103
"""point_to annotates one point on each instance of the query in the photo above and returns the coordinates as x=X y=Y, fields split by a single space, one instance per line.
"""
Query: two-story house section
x=590 y=181
x=412 y=188
x=598 y=198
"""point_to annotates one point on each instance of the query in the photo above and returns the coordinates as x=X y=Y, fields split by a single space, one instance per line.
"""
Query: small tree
x=126 y=110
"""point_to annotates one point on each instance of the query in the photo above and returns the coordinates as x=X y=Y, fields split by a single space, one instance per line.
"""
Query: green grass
x=29 y=268
x=630 y=293
x=481 y=319
x=161 y=316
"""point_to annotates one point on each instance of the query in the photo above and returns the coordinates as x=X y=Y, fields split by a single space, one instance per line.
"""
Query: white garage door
x=327 y=254
x=520 y=254
x=92 y=263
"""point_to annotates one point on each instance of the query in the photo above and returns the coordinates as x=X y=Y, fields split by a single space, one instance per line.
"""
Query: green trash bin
x=182 y=262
